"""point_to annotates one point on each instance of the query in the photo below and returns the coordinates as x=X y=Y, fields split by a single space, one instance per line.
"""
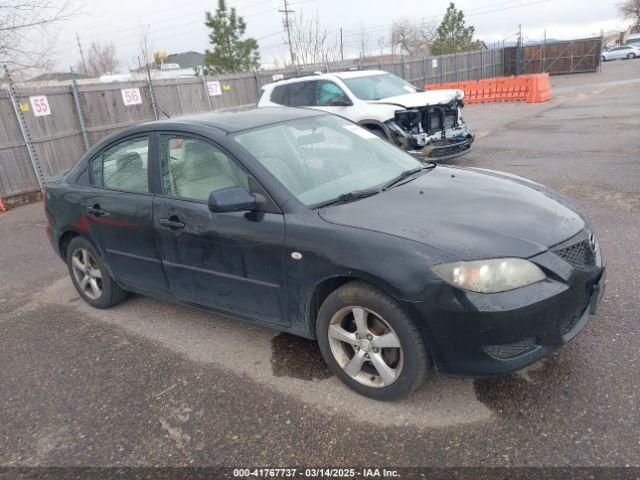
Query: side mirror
x=341 y=102
x=231 y=199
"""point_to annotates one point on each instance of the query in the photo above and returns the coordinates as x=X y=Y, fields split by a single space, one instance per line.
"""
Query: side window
x=123 y=166
x=278 y=95
x=301 y=94
x=193 y=168
x=328 y=92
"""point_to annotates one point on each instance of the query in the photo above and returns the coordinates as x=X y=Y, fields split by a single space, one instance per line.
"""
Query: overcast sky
x=179 y=26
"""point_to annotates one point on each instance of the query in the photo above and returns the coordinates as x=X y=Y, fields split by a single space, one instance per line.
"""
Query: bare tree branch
x=312 y=43
x=27 y=31
x=412 y=38
x=630 y=9
x=101 y=59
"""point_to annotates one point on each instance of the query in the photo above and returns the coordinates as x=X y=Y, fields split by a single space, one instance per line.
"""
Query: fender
x=377 y=123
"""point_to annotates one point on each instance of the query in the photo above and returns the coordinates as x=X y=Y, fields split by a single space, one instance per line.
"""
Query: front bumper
x=445 y=149
x=476 y=335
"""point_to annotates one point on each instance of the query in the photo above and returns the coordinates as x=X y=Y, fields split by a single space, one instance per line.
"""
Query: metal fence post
x=26 y=136
x=441 y=68
x=76 y=99
x=151 y=92
x=455 y=57
x=481 y=76
x=424 y=70
x=256 y=74
x=206 y=91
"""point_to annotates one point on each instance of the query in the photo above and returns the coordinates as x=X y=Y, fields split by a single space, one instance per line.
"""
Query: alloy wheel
x=87 y=273
x=365 y=346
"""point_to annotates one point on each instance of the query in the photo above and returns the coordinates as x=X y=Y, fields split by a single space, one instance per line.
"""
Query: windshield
x=320 y=158
x=375 y=87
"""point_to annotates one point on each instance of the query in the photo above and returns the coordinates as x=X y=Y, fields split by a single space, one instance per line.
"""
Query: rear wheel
x=90 y=277
x=370 y=342
x=603 y=58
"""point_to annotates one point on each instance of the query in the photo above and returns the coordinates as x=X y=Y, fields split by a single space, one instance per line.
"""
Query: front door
x=228 y=261
x=118 y=213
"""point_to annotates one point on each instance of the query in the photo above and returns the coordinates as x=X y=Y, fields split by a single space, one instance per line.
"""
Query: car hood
x=468 y=214
x=420 y=99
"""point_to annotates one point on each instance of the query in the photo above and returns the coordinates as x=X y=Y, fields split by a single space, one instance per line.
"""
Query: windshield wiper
x=406 y=174
x=349 y=197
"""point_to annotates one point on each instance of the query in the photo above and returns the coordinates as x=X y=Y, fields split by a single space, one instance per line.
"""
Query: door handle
x=172 y=223
x=96 y=211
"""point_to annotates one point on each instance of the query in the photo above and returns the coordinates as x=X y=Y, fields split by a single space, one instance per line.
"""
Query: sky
x=179 y=26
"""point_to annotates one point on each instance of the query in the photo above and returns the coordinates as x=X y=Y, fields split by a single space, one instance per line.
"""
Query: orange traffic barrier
x=523 y=88
x=2 y=209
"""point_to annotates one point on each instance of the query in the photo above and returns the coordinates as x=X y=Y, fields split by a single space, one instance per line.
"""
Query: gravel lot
x=151 y=383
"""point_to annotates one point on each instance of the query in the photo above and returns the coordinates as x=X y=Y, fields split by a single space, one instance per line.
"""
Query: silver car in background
x=624 y=51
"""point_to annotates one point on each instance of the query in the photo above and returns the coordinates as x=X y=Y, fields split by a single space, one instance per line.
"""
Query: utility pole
x=341 y=46
x=287 y=25
x=84 y=64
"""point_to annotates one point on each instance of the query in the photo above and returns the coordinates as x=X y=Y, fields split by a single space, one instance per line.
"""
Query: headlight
x=490 y=276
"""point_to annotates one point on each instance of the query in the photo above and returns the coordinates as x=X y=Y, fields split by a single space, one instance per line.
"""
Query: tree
x=452 y=35
x=312 y=43
x=231 y=53
x=630 y=9
x=101 y=59
x=412 y=37
x=28 y=30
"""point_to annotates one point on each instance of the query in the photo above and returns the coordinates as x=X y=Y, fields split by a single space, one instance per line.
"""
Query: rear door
x=234 y=261
x=118 y=213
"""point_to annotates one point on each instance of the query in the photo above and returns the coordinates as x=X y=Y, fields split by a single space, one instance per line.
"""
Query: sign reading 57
x=131 y=96
x=40 y=105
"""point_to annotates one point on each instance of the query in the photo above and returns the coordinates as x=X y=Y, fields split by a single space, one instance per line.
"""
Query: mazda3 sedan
x=302 y=221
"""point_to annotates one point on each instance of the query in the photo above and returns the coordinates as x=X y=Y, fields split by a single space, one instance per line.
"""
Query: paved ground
x=150 y=383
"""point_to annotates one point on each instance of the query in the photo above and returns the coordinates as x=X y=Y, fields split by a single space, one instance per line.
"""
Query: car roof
x=329 y=76
x=241 y=119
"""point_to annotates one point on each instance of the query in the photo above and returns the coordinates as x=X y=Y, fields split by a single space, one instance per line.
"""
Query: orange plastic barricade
x=2 y=209
x=523 y=88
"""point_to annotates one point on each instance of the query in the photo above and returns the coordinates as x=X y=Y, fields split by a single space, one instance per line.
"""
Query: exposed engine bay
x=433 y=131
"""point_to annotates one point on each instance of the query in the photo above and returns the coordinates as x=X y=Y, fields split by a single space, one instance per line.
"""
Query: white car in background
x=624 y=51
x=427 y=123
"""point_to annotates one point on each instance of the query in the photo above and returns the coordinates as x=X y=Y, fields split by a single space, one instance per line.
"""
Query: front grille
x=448 y=151
x=579 y=254
x=439 y=118
x=511 y=350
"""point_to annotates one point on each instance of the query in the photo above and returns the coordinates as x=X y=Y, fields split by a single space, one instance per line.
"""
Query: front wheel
x=90 y=276
x=631 y=56
x=371 y=343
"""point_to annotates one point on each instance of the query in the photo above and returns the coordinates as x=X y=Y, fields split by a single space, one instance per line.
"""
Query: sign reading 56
x=131 y=96
x=40 y=105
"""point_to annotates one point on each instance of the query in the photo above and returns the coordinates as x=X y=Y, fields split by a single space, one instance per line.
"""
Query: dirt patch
x=297 y=357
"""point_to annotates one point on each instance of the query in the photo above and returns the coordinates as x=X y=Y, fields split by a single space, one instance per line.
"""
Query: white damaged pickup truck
x=426 y=123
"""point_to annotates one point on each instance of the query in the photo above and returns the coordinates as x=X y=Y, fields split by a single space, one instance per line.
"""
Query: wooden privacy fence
x=35 y=145
x=80 y=116
x=572 y=56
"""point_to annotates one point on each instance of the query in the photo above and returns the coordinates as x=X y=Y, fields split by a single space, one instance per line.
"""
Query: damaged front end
x=436 y=132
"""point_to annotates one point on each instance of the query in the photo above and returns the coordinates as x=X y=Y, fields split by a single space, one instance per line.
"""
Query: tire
x=631 y=56
x=100 y=289
x=354 y=359
x=603 y=58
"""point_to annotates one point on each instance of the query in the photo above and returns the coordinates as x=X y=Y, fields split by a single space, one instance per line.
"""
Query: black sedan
x=305 y=222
